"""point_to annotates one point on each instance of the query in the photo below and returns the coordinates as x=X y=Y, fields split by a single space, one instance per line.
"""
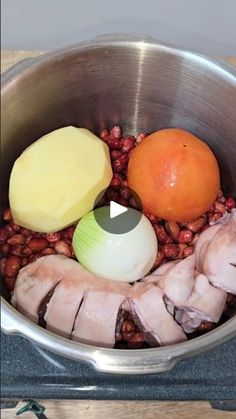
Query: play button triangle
x=116 y=209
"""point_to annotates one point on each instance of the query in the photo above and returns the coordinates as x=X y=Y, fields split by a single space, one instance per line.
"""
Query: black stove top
x=32 y=373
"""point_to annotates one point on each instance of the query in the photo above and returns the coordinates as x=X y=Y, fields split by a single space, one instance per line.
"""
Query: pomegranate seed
x=230 y=203
x=116 y=132
x=63 y=248
x=10 y=283
x=127 y=143
x=220 y=194
x=104 y=134
x=17 y=239
x=53 y=237
x=170 y=250
x=114 y=144
x=38 y=244
x=115 y=183
x=115 y=154
x=7 y=216
x=140 y=137
x=185 y=236
x=125 y=193
x=188 y=251
x=12 y=266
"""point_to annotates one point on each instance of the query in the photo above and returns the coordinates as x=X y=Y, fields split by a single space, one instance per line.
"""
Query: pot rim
x=116 y=361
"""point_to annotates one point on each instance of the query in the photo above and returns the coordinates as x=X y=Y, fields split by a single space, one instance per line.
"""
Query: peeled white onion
x=123 y=257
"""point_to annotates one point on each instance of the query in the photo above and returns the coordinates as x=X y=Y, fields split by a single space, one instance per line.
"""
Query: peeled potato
x=56 y=180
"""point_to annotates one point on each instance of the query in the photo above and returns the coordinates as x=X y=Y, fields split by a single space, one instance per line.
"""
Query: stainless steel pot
x=140 y=84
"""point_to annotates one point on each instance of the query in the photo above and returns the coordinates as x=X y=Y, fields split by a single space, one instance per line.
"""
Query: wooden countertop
x=102 y=409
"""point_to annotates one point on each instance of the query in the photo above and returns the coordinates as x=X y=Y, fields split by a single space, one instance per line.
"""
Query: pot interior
x=140 y=86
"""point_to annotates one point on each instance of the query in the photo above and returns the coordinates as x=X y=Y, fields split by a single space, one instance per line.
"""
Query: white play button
x=115 y=218
x=116 y=209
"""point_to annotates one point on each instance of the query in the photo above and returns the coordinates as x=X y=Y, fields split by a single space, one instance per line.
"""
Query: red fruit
x=166 y=172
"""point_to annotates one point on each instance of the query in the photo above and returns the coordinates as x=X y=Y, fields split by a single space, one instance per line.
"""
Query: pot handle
x=9 y=322
x=140 y=363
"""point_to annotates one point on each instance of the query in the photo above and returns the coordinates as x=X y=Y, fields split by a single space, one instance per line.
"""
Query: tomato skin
x=175 y=174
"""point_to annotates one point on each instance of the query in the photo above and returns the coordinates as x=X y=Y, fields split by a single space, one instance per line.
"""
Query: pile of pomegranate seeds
x=20 y=246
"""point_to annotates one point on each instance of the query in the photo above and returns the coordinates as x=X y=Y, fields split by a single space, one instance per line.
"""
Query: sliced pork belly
x=154 y=278
x=96 y=320
x=35 y=281
x=63 y=306
x=206 y=303
x=219 y=263
x=202 y=244
x=177 y=282
x=146 y=303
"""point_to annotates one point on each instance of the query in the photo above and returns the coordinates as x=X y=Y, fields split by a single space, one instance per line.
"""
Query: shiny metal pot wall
x=142 y=85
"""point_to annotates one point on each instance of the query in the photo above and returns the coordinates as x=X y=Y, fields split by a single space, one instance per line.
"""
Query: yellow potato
x=56 y=180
